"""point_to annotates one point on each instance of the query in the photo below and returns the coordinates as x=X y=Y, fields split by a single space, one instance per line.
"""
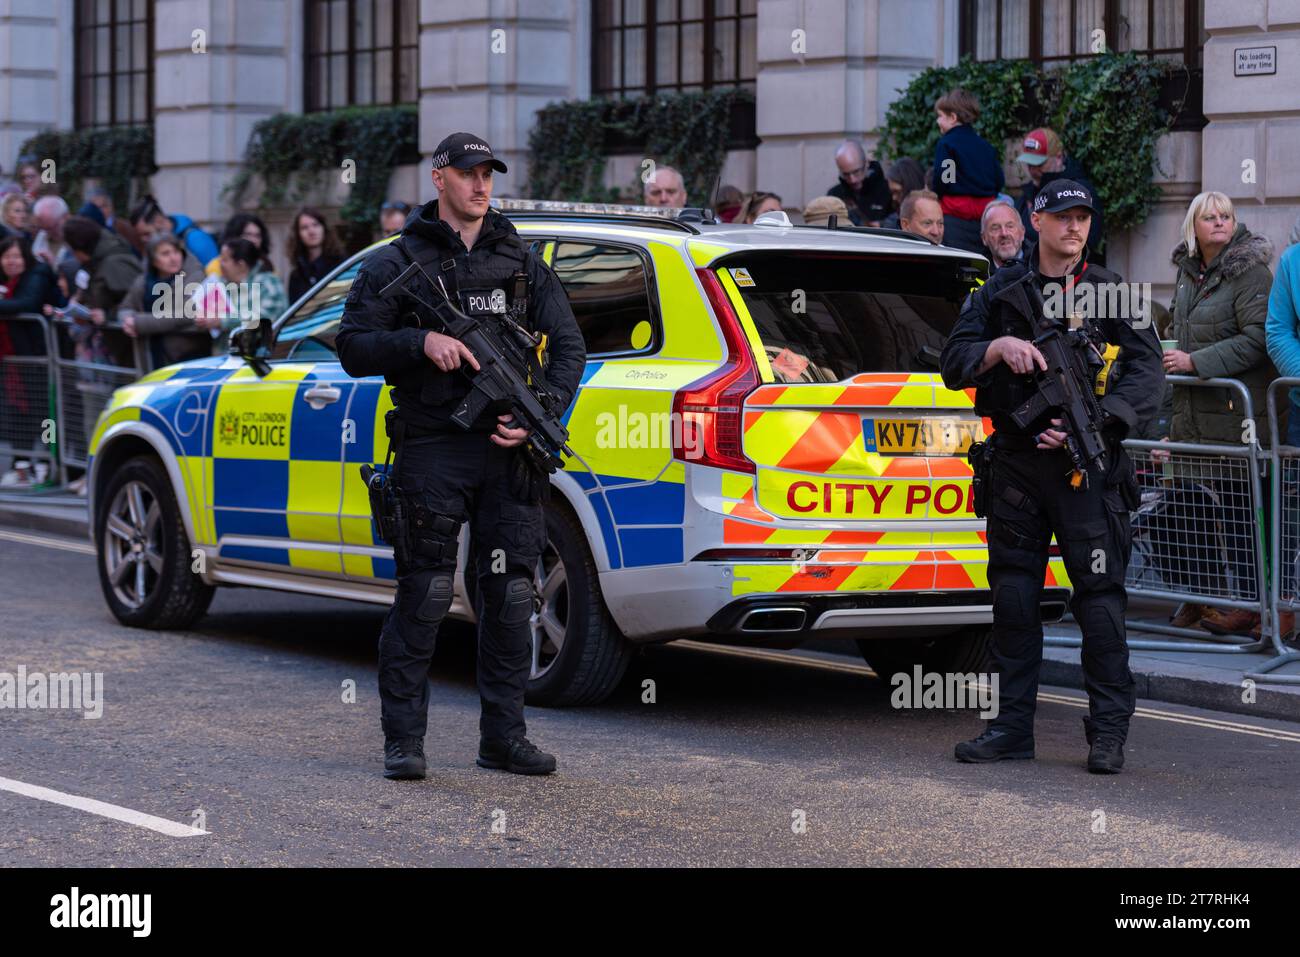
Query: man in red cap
x=1045 y=161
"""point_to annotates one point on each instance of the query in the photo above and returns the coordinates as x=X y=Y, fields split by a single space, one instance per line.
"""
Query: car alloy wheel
x=133 y=544
x=550 y=619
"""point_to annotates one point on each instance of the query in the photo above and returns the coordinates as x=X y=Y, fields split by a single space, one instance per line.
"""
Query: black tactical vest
x=489 y=280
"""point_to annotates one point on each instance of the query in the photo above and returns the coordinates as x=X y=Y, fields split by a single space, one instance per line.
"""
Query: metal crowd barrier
x=28 y=401
x=45 y=383
x=1284 y=527
x=1198 y=535
x=84 y=388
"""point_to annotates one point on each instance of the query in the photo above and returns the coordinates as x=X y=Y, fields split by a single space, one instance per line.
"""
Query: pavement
x=57 y=511
x=1211 y=679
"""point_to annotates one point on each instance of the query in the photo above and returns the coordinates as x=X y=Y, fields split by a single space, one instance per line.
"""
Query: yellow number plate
x=932 y=436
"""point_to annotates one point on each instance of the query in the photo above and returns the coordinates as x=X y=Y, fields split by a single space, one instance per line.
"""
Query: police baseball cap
x=1062 y=194
x=463 y=151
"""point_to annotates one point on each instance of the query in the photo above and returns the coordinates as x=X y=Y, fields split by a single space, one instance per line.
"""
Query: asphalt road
x=243 y=719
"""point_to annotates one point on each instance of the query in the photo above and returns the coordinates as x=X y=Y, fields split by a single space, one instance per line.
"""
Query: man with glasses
x=862 y=185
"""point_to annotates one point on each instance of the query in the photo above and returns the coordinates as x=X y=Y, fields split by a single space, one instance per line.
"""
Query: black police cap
x=1062 y=194
x=463 y=151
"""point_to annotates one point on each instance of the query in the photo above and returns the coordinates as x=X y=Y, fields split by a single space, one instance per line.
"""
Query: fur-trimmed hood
x=1244 y=250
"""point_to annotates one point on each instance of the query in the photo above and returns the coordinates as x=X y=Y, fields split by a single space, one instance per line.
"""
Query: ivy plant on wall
x=119 y=157
x=294 y=153
x=688 y=131
x=1105 y=109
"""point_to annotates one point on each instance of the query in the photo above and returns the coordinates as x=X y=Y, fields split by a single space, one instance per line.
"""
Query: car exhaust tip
x=769 y=620
x=1051 y=611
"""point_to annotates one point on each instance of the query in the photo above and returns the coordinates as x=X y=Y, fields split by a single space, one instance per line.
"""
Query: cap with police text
x=1039 y=144
x=463 y=151
x=1062 y=194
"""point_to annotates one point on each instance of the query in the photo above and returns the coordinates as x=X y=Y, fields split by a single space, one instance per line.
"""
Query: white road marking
x=785 y=657
x=68 y=545
x=103 y=809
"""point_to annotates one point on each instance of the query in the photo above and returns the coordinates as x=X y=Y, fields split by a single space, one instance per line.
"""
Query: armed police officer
x=1036 y=479
x=445 y=475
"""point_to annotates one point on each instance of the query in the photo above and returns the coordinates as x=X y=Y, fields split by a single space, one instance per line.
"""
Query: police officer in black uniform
x=1030 y=497
x=447 y=475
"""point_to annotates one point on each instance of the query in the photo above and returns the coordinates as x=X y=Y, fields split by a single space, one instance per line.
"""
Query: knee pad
x=1010 y=606
x=1101 y=619
x=516 y=601
x=436 y=598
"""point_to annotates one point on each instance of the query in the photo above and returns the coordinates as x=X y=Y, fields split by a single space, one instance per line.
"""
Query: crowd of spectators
x=107 y=280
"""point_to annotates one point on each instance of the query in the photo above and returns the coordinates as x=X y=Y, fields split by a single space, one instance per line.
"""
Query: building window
x=112 y=50
x=361 y=53
x=641 y=47
x=1057 y=31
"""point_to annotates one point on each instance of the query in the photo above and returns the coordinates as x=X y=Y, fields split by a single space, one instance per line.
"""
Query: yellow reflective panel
x=689 y=332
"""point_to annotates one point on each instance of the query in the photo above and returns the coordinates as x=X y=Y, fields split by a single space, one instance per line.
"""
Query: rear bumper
x=665 y=602
x=805 y=615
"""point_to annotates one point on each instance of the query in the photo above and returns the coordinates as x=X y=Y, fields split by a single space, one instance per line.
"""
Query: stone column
x=487 y=66
x=835 y=79
x=35 y=72
x=1254 y=120
x=211 y=87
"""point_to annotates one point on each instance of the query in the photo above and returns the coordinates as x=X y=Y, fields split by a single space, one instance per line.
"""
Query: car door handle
x=319 y=396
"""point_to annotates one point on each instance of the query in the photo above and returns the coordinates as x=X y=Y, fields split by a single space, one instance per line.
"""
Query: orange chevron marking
x=824 y=443
x=742 y=533
x=951 y=576
x=919 y=577
x=853 y=538
x=878 y=395
x=949 y=468
x=906 y=466
x=817 y=578
x=839 y=558
x=765 y=395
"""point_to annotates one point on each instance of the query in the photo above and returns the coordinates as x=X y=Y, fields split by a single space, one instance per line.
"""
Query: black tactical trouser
x=1030 y=499
x=461 y=476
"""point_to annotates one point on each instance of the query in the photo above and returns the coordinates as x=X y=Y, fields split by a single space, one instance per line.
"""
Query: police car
x=763 y=452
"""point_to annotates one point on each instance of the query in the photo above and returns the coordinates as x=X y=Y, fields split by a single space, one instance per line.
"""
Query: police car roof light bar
x=662 y=217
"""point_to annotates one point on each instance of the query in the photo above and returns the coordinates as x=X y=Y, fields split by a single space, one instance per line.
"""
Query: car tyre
x=143 y=553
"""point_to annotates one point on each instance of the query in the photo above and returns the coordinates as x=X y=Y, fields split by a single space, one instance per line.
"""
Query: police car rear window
x=824 y=318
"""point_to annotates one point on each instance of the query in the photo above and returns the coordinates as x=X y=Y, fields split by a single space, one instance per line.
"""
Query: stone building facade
x=488 y=65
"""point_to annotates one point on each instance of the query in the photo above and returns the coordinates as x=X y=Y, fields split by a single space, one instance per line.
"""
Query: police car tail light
x=711 y=410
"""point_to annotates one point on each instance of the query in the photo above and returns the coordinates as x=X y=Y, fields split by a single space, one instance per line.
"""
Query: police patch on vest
x=484 y=302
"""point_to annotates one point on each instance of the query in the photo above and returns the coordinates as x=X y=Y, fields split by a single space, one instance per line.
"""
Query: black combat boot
x=1105 y=751
x=1106 y=755
x=404 y=759
x=994 y=745
x=517 y=755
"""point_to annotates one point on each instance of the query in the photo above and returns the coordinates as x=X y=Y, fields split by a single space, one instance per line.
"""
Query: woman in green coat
x=1219 y=309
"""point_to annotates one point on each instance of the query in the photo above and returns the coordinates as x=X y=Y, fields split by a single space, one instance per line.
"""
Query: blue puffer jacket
x=1282 y=327
x=197 y=241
